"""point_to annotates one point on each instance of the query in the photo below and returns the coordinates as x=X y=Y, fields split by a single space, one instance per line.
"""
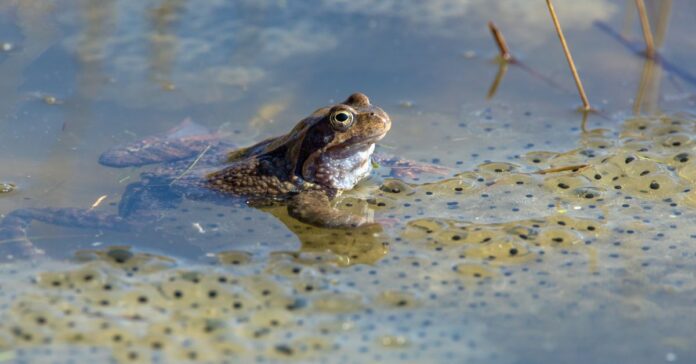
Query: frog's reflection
x=363 y=245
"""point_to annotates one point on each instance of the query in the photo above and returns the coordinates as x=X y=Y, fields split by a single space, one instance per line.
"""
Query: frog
x=326 y=153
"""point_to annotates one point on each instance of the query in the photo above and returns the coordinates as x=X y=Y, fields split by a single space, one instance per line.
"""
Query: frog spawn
x=606 y=172
x=142 y=308
x=145 y=308
x=500 y=235
x=485 y=247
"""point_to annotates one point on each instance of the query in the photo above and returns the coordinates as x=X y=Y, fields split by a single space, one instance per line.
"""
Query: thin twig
x=574 y=168
x=647 y=33
x=585 y=103
x=500 y=42
x=538 y=75
x=188 y=169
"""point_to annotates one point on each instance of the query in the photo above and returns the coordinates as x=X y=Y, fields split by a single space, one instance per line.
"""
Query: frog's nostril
x=372 y=114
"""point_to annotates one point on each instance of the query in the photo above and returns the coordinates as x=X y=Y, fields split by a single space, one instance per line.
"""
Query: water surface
x=491 y=263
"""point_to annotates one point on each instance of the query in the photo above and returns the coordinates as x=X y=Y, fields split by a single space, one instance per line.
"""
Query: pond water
x=491 y=262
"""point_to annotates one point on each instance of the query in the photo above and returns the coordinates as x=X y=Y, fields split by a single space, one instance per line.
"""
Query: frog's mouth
x=352 y=146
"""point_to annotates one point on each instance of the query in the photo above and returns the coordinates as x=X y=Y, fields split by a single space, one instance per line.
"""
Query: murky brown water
x=492 y=263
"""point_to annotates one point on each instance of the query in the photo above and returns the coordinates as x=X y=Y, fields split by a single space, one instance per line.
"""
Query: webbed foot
x=405 y=168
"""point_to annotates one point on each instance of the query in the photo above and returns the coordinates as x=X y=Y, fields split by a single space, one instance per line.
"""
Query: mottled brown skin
x=311 y=164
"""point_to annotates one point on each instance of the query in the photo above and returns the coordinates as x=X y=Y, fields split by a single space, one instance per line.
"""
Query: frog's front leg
x=13 y=228
x=314 y=208
x=405 y=168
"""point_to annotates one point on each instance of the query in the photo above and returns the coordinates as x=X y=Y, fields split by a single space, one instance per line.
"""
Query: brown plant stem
x=500 y=42
x=569 y=57
x=647 y=32
x=574 y=168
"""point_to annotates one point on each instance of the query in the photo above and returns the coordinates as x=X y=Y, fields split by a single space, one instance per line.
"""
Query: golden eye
x=341 y=120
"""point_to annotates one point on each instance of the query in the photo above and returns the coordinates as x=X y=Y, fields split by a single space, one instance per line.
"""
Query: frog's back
x=259 y=173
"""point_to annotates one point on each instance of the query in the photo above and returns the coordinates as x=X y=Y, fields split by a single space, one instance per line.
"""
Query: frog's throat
x=338 y=172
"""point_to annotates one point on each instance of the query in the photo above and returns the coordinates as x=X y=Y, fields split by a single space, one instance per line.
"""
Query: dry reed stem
x=585 y=103
x=500 y=42
x=647 y=33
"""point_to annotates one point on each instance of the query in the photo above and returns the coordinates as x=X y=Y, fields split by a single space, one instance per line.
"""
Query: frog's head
x=337 y=144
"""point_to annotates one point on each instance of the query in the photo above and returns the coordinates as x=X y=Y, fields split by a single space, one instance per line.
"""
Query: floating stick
x=585 y=103
x=98 y=202
x=500 y=41
x=574 y=168
x=647 y=33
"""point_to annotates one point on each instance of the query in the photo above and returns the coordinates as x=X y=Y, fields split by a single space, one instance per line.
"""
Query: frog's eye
x=341 y=120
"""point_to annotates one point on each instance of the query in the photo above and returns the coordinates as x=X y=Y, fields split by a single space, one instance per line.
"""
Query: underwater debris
x=6 y=187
